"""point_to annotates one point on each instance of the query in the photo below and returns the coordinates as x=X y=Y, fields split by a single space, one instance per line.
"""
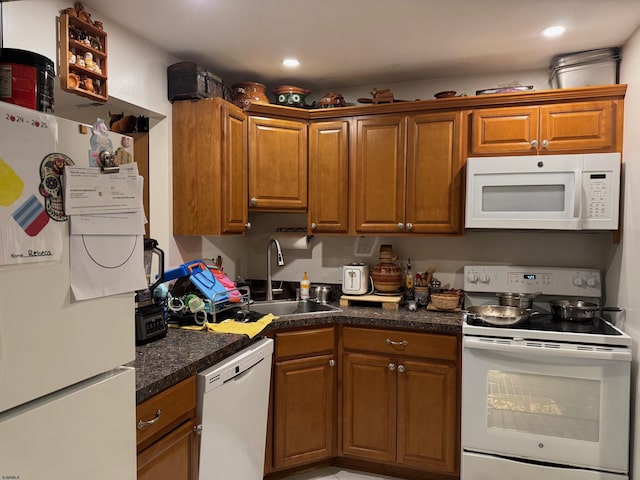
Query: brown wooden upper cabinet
x=406 y=174
x=328 y=177
x=379 y=173
x=209 y=168
x=277 y=164
x=589 y=126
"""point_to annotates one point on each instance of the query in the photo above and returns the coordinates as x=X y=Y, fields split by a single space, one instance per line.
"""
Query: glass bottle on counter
x=408 y=282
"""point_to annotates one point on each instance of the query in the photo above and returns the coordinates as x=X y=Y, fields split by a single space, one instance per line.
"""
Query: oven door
x=549 y=402
x=524 y=192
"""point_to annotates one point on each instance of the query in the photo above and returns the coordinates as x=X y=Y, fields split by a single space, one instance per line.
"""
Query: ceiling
x=344 y=43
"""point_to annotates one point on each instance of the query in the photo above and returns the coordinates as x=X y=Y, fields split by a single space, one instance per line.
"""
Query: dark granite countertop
x=183 y=353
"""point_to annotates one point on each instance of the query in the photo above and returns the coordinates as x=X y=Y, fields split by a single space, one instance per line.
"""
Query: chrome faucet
x=280 y=259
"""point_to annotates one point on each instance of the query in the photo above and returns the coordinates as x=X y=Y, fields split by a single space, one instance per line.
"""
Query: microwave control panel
x=599 y=195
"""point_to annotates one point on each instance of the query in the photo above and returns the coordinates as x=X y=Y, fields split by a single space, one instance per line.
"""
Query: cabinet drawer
x=304 y=342
x=175 y=404
x=398 y=342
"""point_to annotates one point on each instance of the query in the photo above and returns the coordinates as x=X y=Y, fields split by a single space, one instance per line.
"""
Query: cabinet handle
x=409 y=227
x=404 y=343
x=332 y=363
x=545 y=143
x=400 y=226
x=254 y=201
x=314 y=226
x=247 y=225
x=534 y=143
x=145 y=423
x=392 y=366
x=400 y=368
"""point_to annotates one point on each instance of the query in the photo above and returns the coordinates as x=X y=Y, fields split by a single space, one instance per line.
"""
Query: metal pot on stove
x=576 y=310
x=520 y=300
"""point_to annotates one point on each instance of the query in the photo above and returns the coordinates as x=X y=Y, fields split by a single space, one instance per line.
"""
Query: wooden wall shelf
x=83 y=58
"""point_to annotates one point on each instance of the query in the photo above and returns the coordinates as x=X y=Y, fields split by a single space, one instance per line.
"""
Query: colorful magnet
x=51 y=169
x=31 y=216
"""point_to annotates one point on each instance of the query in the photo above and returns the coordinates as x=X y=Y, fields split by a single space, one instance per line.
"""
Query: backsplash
x=246 y=256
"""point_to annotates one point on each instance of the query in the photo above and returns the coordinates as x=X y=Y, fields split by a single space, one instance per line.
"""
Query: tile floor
x=337 y=473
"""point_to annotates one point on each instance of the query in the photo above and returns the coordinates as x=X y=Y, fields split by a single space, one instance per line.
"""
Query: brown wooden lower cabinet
x=391 y=408
x=303 y=397
x=397 y=407
x=167 y=437
x=173 y=457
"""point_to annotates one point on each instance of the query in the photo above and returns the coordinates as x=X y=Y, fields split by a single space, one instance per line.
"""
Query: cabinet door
x=304 y=410
x=277 y=164
x=369 y=407
x=173 y=457
x=502 y=131
x=427 y=416
x=434 y=173
x=329 y=177
x=209 y=168
x=578 y=127
x=234 y=212
x=379 y=174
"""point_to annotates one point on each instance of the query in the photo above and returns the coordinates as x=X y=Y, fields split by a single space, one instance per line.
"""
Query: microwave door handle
x=577 y=195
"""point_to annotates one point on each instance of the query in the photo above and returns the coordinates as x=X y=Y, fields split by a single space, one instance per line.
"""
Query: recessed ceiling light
x=554 y=31
x=290 y=62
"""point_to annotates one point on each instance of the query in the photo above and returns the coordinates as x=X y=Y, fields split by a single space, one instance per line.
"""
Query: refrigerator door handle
x=145 y=423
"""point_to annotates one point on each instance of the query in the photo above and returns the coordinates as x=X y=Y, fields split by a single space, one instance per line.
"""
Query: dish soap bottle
x=305 y=284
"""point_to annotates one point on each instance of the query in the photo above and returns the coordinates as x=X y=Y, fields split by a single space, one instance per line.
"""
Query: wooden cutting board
x=390 y=302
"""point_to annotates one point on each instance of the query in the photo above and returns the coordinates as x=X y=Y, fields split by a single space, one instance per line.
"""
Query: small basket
x=445 y=301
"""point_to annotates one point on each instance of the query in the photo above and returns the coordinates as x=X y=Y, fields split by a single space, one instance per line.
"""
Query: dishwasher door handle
x=243 y=373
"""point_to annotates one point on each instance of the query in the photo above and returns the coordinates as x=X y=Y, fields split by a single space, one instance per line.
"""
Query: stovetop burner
x=549 y=323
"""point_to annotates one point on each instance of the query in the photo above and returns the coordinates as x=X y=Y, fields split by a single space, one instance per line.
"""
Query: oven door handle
x=536 y=347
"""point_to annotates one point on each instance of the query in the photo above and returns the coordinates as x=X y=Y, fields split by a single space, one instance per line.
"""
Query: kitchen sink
x=291 y=307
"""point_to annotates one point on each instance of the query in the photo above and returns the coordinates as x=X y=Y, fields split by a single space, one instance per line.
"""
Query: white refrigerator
x=67 y=405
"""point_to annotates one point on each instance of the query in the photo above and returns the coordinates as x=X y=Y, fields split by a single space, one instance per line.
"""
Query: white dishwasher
x=233 y=399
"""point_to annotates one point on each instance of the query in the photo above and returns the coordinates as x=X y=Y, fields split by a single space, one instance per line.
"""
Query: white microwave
x=554 y=192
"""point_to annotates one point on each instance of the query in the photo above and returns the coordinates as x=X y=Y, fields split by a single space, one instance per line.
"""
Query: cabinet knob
x=247 y=225
x=400 y=226
x=545 y=143
x=392 y=366
x=409 y=227
x=400 y=368
x=332 y=363
x=254 y=201
x=314 y=225
x=534 y=143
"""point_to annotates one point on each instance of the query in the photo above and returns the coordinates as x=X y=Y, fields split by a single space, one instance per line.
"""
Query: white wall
x=623 y=275
x=137 y=78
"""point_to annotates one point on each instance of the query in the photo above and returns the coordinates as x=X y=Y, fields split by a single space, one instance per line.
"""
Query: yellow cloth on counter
x=231 y=326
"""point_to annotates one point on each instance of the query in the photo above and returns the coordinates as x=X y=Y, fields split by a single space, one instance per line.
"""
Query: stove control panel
x=522 y=279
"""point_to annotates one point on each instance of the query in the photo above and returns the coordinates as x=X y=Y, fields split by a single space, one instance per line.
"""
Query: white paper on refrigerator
x=29 y=187
x=103 y=265
x=87 y=190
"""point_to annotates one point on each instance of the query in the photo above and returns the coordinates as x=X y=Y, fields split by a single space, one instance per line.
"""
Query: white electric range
x=546 y=397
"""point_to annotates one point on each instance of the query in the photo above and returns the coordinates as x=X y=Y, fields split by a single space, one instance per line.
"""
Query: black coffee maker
x=150 y=315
